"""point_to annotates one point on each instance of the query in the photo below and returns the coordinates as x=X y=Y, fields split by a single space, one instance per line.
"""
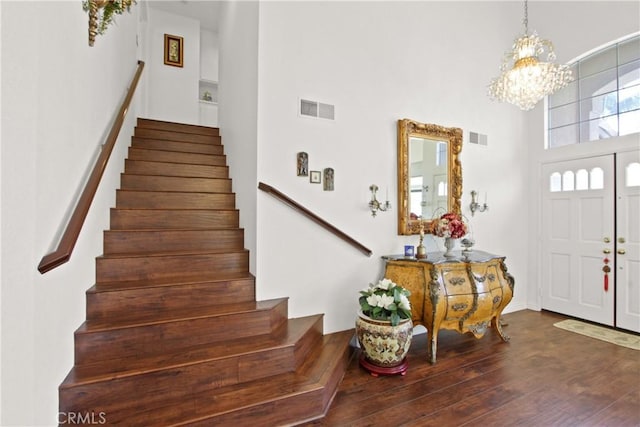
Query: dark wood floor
x=544 y=376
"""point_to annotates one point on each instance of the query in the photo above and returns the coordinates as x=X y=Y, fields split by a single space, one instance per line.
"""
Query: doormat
x=605 y=334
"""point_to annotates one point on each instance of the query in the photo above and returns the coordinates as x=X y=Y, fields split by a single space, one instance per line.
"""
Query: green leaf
x=395 y=319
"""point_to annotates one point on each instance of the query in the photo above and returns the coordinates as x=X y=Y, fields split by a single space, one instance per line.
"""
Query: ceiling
x=204 y=11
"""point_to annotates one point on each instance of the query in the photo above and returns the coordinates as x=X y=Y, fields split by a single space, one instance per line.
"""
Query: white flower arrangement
x=386 y=301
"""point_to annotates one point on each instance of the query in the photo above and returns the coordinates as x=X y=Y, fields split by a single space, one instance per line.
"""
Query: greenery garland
x=109 y=8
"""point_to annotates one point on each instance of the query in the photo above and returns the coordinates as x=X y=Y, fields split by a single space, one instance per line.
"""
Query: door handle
x=622 y=251
x=606 y=251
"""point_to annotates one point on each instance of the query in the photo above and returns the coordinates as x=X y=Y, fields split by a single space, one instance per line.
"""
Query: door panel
x=577 y=219
x=628 y=241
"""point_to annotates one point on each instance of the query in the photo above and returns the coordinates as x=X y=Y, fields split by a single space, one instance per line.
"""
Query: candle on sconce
x=485 y=197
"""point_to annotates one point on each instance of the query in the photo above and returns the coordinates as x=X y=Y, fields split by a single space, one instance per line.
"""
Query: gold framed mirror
x=429 y=173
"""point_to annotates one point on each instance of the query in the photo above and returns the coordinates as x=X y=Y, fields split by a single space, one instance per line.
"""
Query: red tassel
x=606 y=282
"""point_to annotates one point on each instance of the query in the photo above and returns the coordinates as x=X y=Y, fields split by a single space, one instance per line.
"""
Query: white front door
x=628 y=241
x=578 y=238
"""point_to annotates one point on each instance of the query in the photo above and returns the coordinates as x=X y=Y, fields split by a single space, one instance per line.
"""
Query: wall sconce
x=374 y=204
x=475 y=206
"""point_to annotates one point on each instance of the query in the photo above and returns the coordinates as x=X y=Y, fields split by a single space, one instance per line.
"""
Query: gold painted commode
x=466 y=292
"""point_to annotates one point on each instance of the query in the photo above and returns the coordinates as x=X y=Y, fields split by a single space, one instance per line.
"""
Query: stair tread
x=188 y=128
x=177 y=209
x=178 y=314
x=124 y=285
x=178 y=254
x=133 y=174
x=286 y=335
x=310 y=377
x=173 y=230
x=177 y=152
x=188 y=193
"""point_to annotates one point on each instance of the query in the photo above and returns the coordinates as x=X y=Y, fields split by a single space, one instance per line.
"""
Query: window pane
x=582 y=180
x=555 y=182
x=566 y=95
x=599 y=83
x=603 y=128
x=606 y=90
x=441 y=154
x=598 y=62
x=597 y=179
x=563 y=136
x=599 y=106
x=629 y=74
x=632 y=176
x=629 y=50
x=630 y=122
x=442 y=189
x=567 y=181
x=564 y=115
x=629 y=99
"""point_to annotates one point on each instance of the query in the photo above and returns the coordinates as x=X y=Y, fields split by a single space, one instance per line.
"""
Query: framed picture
x=328 y=179
x=303 y=164
x=173 y=50
x=315 y=177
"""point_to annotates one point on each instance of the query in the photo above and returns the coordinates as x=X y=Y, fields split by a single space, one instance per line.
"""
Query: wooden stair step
x=174 y=183
x=154 y=155
x=283 y=399
x=165 y=333
x=151 y=133
x=143 y=167
x=122 y=219
x=137 y=199
x=119 y=300
x=197 y=369
x=178 y=127
x=166 y=267
x=182 y=147
x=176 y=240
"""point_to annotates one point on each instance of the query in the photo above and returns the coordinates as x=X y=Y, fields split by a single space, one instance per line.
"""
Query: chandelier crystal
x=525 y=79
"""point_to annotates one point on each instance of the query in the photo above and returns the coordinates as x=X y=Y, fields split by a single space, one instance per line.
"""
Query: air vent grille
x=477 y=138
x=317 y=109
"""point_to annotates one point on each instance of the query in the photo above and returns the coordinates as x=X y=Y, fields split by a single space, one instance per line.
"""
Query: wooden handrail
x=70 y=236
x=315 y=218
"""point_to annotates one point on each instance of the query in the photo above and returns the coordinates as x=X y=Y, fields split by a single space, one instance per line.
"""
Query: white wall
x=377 y=62
x=209 y=53
x=238 y=100
x=171 y=93
x=58 y=100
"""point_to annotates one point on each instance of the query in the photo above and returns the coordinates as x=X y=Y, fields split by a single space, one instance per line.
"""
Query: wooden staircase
x=174 y=335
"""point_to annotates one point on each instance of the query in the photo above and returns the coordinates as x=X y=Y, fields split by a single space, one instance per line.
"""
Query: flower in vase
x=449 y=225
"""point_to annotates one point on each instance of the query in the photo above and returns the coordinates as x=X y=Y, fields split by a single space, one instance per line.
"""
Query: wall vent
x=477 y=138
x=317 y=109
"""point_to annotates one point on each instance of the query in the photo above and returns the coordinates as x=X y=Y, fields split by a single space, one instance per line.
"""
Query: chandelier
x=525 y=79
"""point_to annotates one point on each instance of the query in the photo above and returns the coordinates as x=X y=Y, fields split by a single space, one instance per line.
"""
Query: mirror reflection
x=427 y=177
x=429 y=173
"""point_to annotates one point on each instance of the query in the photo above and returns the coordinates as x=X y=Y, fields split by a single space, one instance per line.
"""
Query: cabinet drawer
x=486 y=277
x=456 y=280
x=458 y=306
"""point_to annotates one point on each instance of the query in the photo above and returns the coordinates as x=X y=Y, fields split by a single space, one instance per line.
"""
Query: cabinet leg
x=497 y=324
x=432 y=346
